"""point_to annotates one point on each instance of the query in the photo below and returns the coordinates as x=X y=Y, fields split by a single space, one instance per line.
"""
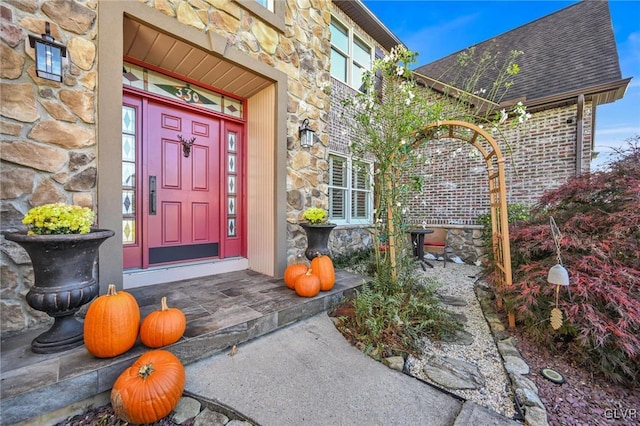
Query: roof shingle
x=564 y=52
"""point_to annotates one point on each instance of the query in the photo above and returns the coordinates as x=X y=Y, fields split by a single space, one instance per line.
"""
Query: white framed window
x=350 y=190
x=266 y=3
x=351 y=56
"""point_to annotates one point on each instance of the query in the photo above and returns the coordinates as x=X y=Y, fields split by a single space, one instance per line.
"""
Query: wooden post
x=391 y=227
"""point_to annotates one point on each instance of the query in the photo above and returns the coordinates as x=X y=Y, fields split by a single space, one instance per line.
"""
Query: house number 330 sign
x=187 y=94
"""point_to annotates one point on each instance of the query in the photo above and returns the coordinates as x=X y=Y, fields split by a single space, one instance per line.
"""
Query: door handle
x=152 y=195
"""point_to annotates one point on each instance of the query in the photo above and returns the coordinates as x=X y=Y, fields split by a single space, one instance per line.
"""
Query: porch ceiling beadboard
x=147 y=44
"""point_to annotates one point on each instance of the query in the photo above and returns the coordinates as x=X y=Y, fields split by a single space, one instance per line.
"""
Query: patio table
x=417 y=239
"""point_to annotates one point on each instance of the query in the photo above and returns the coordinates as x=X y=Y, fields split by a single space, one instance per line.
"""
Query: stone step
x=221 y=311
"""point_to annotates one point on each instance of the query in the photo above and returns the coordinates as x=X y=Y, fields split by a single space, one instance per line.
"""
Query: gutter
x=616 y=88
x=580 y=135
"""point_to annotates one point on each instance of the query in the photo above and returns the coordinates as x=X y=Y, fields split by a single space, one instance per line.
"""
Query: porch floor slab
x=221 y=310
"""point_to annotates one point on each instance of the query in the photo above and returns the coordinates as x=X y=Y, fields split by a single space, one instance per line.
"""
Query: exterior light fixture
x=306 y=134
x=49 y=55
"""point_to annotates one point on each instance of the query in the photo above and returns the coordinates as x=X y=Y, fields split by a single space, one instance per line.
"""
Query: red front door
x=183 y=181
x=190 y=202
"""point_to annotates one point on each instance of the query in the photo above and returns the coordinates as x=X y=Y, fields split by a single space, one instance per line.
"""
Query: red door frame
x=228 y=246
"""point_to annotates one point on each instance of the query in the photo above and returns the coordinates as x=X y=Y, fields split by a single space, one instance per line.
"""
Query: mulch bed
x=586 y=398
x=105 y=416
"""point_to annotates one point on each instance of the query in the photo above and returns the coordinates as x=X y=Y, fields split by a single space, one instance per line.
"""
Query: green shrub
x=360 y=261
x=515 y=212
x=390 y=317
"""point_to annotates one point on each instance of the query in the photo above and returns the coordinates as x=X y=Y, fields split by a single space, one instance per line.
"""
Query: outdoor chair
x=436 y=243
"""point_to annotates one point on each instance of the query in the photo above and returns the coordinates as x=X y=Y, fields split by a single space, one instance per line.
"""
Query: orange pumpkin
x=292 y=272
x=323 y=268
x=111 y=324
x=307 y=284
x=149 y=389
x=163 y=327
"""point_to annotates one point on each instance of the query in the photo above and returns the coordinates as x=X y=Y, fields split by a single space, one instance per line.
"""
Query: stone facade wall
x=49 y=140
x=48 y=146
x=466 y=243
x=343 y=239
x=349 y=239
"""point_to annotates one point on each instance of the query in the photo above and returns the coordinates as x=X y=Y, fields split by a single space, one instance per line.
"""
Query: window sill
x=352 y=225
x=275 y=19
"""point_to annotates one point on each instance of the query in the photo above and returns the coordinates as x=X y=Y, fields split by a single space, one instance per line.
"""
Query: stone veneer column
x=48 y=146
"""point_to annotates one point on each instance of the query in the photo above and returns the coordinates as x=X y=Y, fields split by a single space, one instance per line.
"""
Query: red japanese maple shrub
x=598 y=215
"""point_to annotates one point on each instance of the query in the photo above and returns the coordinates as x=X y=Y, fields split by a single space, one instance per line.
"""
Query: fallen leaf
x=234 y=350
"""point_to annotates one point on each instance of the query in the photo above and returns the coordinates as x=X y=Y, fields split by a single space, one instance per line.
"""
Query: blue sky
x=436 y=29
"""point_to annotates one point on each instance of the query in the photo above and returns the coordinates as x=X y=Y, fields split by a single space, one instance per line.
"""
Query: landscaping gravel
x=458 y=282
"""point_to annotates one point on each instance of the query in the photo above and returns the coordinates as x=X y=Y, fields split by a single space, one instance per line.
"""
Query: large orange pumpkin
x=111 y=324
x=163 y=327
x=307 y=284
x=149 y=389
x=292 y=272
x=323 y=268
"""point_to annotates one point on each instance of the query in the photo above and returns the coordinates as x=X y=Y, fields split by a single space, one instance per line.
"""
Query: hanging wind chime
x=558 y=276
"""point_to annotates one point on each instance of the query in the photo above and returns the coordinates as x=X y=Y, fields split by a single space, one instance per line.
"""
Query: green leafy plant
x=360 y=261
x=515 y=212
x=390 y=317
x=315 y=216
x=389 y=117
x=58 y=218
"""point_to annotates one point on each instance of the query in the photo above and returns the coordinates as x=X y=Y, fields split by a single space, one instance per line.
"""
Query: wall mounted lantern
x=306 y=134
x=49 y=55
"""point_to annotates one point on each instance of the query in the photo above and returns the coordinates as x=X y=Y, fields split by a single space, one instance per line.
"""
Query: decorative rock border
x=526 y=392
x=207 y=412
x=203 y=411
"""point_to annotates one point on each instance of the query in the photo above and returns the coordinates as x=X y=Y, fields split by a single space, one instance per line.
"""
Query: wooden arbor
x=494 y=161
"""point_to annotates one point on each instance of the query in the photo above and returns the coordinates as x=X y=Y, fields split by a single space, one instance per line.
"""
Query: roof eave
x=362 y=16
x=599 y=94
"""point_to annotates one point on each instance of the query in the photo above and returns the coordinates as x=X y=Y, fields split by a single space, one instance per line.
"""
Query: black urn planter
x=64 y=282
x=317 y=239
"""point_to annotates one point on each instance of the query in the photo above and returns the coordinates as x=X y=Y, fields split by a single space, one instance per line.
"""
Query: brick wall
x=340 y=127
x=539 y=156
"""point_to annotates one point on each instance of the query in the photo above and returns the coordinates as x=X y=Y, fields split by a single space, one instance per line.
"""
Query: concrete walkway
x=308 y=374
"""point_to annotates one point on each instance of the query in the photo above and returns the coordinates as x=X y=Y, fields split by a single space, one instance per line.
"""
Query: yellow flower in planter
x=58 y=218
x=315 y=216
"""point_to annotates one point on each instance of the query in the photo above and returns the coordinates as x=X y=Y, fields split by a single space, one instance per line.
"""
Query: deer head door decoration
x=186 y=145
